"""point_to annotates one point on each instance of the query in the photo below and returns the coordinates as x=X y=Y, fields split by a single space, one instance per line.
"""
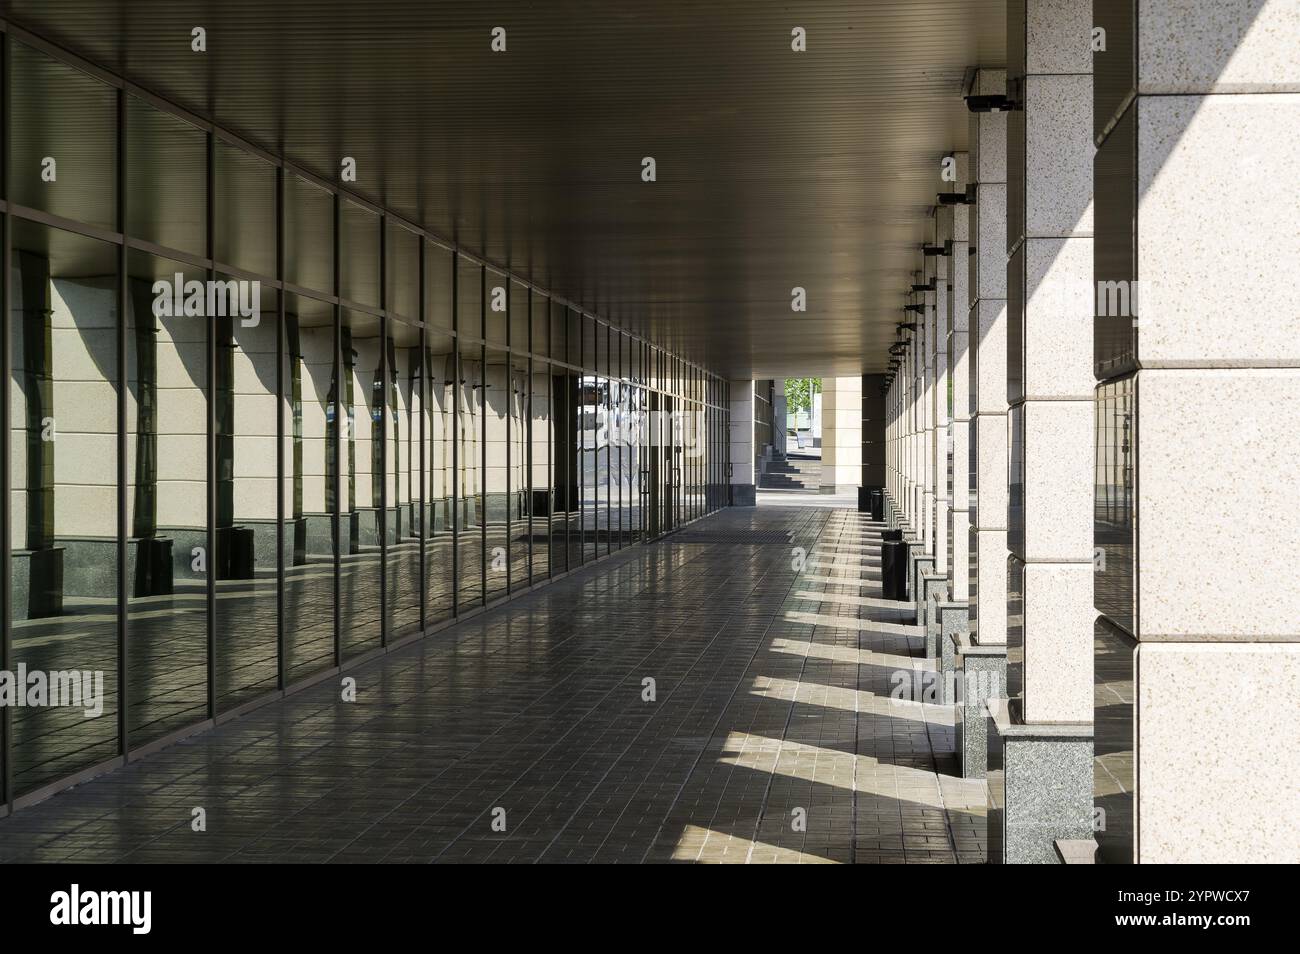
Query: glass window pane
x=358 y=254
x=246 y=538
x=559 y=331
x=469 y=467
x=519 y=316
x=496 y=317
x=496 y=472
x=63 y=139
x=360 y=499
x=403 y=483
x=541 y=425
x=167 y=547
x=166 y=179
x=402 y=264
x=541 y=339
x=244 y=210
x=310 y=485
x=439 y=421
x=64 y=496
x=521 y=518
x=438 y=270
x=469 y=298
x=308 y=235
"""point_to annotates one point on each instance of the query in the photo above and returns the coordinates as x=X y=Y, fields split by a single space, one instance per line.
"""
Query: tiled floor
x=772 y=734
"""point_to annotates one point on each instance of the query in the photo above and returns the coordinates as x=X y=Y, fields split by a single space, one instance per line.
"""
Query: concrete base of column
x=1040 y=786
x=743 y=495
x=981 y=677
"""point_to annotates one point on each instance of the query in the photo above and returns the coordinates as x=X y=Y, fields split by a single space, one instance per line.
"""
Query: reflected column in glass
x=541 y=421
x=520 y=473
x=439 y=422
x=402 y=477
x=167 y=520
x=63 y=498
x=469 y=477
x=246 y=536
x=310 y=485
x=361 y=483
x=496 y=471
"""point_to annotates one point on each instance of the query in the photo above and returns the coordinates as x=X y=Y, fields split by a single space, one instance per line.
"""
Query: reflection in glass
x=520 y=495
x=308 y=235
x=167 y=548
x=541 y=423
x=590 y=479
x=496 y=471
x=245 y=215
x=402 y=481
x=469 y=477
x=62 y=114
x=63 y=499
x=246 y=538
x=361 y=483
x=310 y=487
x=358 y=254
x=439 y=422
x=166 y=179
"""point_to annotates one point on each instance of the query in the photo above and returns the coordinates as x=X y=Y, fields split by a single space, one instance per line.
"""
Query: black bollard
x=877 y=504
x=887 y=535
x=893 y=569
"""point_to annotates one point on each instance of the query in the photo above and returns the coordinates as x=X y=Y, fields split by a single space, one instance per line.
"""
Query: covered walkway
x=771 y=736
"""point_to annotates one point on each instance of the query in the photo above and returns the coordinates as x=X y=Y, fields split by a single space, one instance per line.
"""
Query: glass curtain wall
x=258 y=427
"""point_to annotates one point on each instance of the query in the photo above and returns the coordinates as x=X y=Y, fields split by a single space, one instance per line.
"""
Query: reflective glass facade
x=260 y=429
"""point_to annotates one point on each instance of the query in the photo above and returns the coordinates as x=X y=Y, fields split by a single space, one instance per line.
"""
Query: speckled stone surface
x=1040 y=789
x=984 y=677
x=1221 y=46
x=1221 y=436
x=1216 y=216
x=953 y=618
x=935 y=588
x=1218 y=753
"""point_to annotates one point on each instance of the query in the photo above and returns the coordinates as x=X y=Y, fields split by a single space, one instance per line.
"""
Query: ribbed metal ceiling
x=775 y=168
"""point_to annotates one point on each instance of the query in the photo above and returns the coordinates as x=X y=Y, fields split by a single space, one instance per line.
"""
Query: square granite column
x=1046 y=737
x=986 y=450
x=954 y=305
x=1197 y=124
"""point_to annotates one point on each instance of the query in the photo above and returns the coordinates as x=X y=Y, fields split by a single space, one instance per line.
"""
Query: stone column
x=1197 y=661
x=986 y=453
x=841 y=435
x=742 y=443
x=936 y=321
x=925 y=424
x=1045 y=787
x=955 y=233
